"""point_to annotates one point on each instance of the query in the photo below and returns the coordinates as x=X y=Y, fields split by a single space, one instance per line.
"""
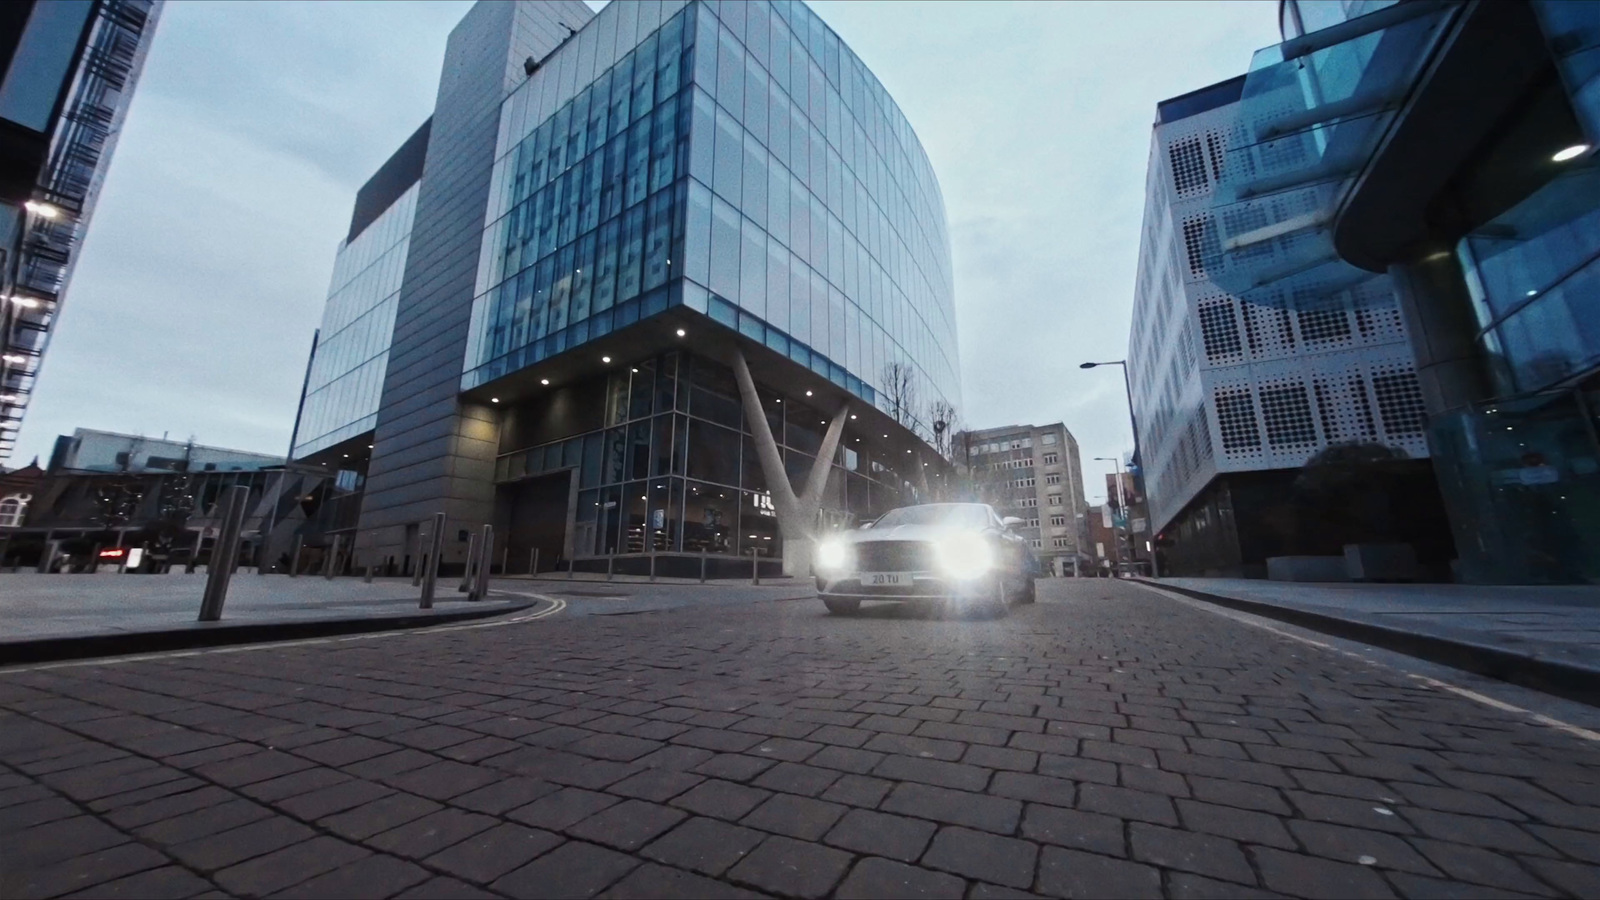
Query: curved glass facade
x=737 y=159
x=346 y=379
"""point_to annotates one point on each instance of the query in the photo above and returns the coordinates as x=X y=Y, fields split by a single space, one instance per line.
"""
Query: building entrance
x=535 y=511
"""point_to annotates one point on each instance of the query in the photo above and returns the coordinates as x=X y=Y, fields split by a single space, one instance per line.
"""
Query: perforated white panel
x=1223 y=384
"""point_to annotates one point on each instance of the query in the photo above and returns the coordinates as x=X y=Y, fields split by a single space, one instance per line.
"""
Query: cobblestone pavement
x=1108 y=741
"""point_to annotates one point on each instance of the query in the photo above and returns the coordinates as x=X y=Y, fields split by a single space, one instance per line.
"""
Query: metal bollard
x=505 y=559
x=480 y=584
x=755 y=566
x=472 y=560
x=652 y=566
x=610 y=561
x=572 y=567
x=294 y=561
x=702 y=565
x=368 y=577
x=430 y=577
x=224 y=554
x=330 y=564
x=533 y=563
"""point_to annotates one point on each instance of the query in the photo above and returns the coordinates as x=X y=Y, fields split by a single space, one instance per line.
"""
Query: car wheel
x=841 y=607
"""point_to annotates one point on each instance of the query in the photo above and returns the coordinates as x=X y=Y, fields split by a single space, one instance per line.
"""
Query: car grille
x=894 y=556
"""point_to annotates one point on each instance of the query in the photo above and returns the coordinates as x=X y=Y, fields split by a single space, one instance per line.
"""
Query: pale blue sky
x=204 y=272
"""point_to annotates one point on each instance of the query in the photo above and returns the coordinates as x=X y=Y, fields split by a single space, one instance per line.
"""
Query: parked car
x=962 y=556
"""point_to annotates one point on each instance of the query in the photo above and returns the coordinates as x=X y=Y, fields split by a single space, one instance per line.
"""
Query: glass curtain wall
x=747 y=166
x=346 y=381
x=675 y=467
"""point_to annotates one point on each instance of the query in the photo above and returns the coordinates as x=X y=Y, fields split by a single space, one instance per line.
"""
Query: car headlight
x=965 y=556
x=833 y=555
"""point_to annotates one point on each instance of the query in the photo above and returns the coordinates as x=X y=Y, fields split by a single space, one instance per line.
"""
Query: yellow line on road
x=556 y=606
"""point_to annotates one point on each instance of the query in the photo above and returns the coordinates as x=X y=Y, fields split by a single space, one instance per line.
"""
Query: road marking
x=556 y=606
x=1539 y=718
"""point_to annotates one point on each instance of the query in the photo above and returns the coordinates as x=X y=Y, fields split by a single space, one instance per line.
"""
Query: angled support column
x=797 y=514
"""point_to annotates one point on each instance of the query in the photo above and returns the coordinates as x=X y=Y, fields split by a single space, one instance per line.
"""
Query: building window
x=1061 y=543
x=1052 y=458
x=1028 y=502
x=1188 y=166
x=1033 y=522
x=1055 y=499
x=1023 y=482
x=1036 y=543
x=1048 y=439
x=1058 y=520
x=1052 y=478
x=13 y=509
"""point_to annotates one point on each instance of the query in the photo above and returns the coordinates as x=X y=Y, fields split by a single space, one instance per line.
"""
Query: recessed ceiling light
x=544 y=381
x=494 y=399
x=1573 y=152
x=681 y=332
x=808 y=393
x=852 y=415
x=605 y=359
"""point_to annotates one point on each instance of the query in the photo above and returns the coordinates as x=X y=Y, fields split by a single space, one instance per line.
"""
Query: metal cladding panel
x=1224 y=383
x=419 y=407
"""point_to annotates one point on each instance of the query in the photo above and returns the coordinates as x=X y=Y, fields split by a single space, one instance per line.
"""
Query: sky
x=205 y=267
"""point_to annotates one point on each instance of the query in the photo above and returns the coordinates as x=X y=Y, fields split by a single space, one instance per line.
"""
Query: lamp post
x=1133 y=424
x=1122 y=504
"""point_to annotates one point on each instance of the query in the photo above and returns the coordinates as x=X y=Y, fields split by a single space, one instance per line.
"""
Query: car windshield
x=950 y=515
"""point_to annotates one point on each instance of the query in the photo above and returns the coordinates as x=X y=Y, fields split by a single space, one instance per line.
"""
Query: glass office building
x=1482 y=214
x=670 y=184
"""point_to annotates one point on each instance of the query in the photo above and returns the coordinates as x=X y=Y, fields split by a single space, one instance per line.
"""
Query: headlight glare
x=965 y=556
x=832 y=555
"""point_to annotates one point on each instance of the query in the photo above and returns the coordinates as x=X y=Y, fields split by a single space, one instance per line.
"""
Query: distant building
x=87 y=450
x=69 y=69
x=1034 y=474
x=1235 y=391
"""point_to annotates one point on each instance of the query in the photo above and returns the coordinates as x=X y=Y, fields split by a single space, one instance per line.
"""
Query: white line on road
x=1247 y=619
x=556 y=606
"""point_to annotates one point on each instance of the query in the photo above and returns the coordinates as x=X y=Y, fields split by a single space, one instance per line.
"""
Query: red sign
x=112 y=553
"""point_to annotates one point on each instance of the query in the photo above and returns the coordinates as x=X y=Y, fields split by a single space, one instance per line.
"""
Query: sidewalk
x=74 y=616
x=1544 y=637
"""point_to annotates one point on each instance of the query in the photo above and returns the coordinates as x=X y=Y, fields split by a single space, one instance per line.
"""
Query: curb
x=133 y=642
x=1571 y=681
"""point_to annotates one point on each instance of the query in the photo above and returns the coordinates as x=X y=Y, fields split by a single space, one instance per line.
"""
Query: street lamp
x=1127 y=520
x=1133 y=423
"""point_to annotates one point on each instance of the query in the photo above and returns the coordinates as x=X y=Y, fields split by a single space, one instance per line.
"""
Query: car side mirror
x=1010 y=522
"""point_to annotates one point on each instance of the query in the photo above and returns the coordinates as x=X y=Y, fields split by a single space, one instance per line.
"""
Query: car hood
x=902 y=533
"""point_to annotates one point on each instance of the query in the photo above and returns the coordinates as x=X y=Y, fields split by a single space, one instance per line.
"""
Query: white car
x=962 y=555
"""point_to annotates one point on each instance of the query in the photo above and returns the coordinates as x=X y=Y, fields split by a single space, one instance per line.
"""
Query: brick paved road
x=1108 y=741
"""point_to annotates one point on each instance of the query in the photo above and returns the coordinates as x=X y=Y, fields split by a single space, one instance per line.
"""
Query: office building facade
x=1240 y=377
x=1033 y=473
x=1451 y=148
x=70 y=68
x=636 y=275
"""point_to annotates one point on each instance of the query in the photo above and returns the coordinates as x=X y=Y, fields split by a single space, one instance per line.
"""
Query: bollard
x=368 y=577
x=224 y=554
x=416 y=573
x=702 y=565
x=194 y=552
x=610 y=562
x=431 y=561
x=472 y=561
x=330 y=563
x=572 y=567
x=652 y=566
x=480 y=584
x=294 y=561
x=533 y=563
x=505 y=559
x=755 y=566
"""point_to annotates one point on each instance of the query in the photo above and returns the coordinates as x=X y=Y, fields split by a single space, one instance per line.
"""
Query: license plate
x=885 y=579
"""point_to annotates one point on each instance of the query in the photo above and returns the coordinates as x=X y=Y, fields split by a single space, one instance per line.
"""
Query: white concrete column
x=797 y=514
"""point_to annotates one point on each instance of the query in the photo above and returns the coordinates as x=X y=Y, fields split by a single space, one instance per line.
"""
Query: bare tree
x=946 y=421
x=900 y=387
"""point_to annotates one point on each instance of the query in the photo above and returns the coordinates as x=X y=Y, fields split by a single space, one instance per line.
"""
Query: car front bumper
x=924 y=585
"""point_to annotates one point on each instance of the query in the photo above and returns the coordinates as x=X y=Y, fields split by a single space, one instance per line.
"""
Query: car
x=959 y=556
